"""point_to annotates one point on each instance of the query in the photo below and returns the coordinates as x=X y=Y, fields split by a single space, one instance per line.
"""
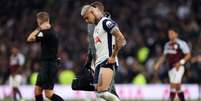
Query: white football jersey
x=104 y=40
x=19 y=59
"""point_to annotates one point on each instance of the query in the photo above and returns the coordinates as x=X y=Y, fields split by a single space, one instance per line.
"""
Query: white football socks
x=100 y=99
x=107 y=96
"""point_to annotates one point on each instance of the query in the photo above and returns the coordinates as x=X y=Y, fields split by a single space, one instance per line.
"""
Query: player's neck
x=173 y=40
x=98 y=19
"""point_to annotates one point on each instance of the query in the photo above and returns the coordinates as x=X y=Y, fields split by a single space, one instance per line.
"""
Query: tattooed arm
x=112 y=28
x=120 y=41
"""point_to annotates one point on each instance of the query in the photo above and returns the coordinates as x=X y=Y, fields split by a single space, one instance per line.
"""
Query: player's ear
x=94 y=11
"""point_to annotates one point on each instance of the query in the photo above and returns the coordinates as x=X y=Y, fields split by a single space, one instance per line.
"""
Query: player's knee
x=14 y=88
x=178 y=87
x=173 y=85
x=101 y=88
x=38 y=90
x=48 y=93
x=107 y=96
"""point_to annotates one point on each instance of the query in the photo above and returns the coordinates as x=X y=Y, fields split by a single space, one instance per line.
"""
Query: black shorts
x=103 y=65
x=47 y=74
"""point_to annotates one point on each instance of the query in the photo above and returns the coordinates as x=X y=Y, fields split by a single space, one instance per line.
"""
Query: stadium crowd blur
x=144 y=23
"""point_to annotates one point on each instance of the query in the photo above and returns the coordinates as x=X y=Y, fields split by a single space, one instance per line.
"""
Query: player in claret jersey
x=177 y=53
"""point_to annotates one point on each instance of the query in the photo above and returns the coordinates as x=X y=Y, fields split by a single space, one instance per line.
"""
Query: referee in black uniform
x=46 y=35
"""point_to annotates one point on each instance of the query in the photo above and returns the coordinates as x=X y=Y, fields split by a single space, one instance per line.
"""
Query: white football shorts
x=176 y=76
x=15 y=81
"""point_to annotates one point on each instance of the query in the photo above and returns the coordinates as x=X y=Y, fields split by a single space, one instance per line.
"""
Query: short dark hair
x=43 y=16
x=98 y=5
x=175 y=29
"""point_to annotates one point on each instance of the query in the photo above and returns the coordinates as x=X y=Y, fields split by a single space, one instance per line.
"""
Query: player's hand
x=156 y=67
x=44 y=26
x=177 y=65
x=111 y=60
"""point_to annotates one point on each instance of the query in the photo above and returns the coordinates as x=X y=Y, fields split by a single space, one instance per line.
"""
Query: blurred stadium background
x=144 y=23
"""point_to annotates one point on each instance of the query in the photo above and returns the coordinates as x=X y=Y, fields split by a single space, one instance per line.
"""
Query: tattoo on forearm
x=119 y=41
x=118 y=45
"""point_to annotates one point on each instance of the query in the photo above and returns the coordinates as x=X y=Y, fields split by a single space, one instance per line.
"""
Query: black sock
x=56 y=98
x=181 y=96
x=14 y=95
x=39 y=97
x=172 y=96
x=19 y=93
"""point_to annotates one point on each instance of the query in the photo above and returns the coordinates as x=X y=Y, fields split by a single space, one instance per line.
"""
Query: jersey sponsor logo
x=171 y=51
x=98 y=40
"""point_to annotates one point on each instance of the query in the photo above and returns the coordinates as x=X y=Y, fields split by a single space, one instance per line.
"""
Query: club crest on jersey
x=109 y=24
x=97 y=30
x=98 y=40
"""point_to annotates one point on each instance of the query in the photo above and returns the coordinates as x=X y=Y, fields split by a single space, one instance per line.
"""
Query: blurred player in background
x=16 y=63
x=177 y=53
x=108 y=41
x=46 y=35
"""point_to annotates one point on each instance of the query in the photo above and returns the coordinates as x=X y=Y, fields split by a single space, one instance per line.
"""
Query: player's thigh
x=105 y=78
x=15 y=80
x=11 y=80
x=180 y=74
x=175 y=76
x=18 y=80
x=172 y=75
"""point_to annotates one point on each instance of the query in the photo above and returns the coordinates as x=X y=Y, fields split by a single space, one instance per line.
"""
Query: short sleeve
x=39 y=36
x=165 y=49
x=44 y=35
x=184 y=47
x=108 y=25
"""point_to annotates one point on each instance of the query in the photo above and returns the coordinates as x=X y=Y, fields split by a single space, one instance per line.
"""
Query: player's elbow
x=124 y=42
x=189 y=55
x=29 y=40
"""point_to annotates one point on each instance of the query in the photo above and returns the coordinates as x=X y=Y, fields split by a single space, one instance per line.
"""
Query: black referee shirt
x=49 y=44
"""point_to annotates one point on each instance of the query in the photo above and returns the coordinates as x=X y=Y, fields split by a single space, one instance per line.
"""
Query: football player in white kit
x=108 y=41
x=17 y=60
x=177 y=53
